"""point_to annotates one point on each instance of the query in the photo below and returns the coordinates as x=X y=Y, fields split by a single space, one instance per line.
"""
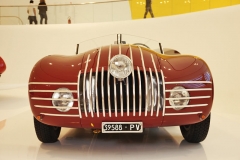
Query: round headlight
x=120 y=66
x=63 y=99
x=178 y=94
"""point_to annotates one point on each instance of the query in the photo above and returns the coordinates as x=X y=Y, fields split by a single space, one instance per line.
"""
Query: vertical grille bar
x=145 y=77
x=84 y=86
x=78 y=95
x=121 y=98
x=158 y=84
x=108 y=79
x=152 y=98
x=90 y=93
x=164 y=95
x=119 y=46
x=96 y=81
x=115 y=97
x=127 y=87
x=140 y=92
x=133 y=81
x=102 y=80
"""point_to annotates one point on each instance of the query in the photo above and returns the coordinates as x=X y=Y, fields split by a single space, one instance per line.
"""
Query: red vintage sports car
x=2 y=66
x=121 y=87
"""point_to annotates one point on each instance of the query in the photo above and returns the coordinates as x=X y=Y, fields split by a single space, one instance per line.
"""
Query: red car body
x=2 y=66
x=105 y=99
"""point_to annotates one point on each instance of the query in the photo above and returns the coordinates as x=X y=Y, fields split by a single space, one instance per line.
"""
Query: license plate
x=122 y=127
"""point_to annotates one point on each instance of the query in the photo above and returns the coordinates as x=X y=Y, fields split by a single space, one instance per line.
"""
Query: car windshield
x=117 y=39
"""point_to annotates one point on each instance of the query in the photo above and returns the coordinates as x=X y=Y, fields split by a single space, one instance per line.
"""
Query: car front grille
x=102 y=93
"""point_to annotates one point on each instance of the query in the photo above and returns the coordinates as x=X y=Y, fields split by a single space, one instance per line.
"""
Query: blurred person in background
x=42 y=7
x=32 y=13
x=148 y=8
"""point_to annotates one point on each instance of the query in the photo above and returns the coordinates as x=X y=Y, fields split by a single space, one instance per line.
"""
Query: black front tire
x=196 y=133
x=46 y=133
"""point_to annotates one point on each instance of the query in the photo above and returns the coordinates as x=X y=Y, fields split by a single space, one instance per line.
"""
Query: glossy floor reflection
x=18 y=139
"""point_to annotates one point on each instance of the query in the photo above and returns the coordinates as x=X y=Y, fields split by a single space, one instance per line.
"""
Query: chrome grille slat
x=103 y=104
x=145 y=78
x=53 y=107
x=90 y=93
x=51 y=91
x=151 y=77
x=115 y=97
x=121 y=98
x=189 y=106
x=140 y=92
x=47 y=99
x=84 y=85
x=158 y=86
x=96 y=82
x=199 y=97
x=199 y=89
x=108 y=82
x=60 y=115
x=133 y=82
x=181 y=82
x=127 y=95
x=164 y=94
x=78 y=95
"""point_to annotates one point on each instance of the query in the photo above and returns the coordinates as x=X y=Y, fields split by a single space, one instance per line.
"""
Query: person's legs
x=35 y=20
x=41 y=18
x=151 y=12
x=46 y=18
x=146 y=12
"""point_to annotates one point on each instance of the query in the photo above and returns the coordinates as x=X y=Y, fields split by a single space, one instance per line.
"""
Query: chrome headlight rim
x=179 y=92
x=62 y=105
x=120 y=66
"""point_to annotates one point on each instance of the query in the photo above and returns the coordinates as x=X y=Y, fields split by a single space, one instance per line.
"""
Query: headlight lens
x=181 y=93
x=65 y=99
x=120 y=66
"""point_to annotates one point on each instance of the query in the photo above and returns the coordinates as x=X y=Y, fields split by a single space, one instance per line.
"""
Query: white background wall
x=213 y=35
x=103 y=12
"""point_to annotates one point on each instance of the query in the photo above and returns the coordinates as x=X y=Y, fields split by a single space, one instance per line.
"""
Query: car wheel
x=196 y=133
x=46 y=133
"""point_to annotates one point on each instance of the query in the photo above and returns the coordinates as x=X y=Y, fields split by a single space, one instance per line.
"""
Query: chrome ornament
x=120 y=66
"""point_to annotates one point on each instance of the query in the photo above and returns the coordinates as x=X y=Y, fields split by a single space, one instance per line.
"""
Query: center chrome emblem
x=120 y=66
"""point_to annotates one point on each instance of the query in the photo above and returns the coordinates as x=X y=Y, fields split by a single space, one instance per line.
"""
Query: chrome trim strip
x=179 y=114
x=127 y=94
x=164 y=95
x=103 y=103
x=120 y=51
x=188 y=82
x=145 y=77
x=115 y=97
x=53 y=107
x=39 y=98
x=121 y=98
x=133 y=82
x=53 y=83
x=152 y=98
x=60 y=115
x=84 y=86
x=199 y=97
x=158 y=95
x=96 y=87
x=188 y=106
x=199 y=89
x=50 y=91
x=90 y=93
x=140 y=92
x=108 y=82
x=78 y=95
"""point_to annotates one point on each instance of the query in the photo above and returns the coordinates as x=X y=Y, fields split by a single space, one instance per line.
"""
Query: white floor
x=18 y=139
